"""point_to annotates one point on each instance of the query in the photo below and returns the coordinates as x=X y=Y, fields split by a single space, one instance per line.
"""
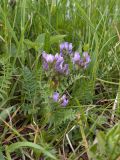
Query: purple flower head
x=86 y=59
x=59 y=59
x=76 y=58
x=44 y=55
x=56 y=96
x=49 y=58
x=64 y=100
x=61 y=67
x=62 y=46
x=65 y=47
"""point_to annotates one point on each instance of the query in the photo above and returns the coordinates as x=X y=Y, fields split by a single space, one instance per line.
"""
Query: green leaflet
x=4 y=114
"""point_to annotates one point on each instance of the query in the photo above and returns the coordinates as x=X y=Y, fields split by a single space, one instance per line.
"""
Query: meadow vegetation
x=59 y=100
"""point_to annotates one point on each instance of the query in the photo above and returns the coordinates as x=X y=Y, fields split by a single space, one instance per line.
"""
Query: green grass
x=31 y=127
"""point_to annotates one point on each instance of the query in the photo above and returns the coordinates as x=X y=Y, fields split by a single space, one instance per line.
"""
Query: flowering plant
x=58 y=66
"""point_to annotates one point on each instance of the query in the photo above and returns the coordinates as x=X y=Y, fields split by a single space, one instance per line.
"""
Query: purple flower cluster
x=81 y=62
x=48 y=59
x=55 y=62
x=65 y=47
x=58 y=65
x=62 y=100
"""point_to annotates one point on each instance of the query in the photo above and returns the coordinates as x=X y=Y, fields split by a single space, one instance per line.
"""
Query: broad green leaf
x=101 y=142
x=56 y=38
x=18 y=145
x=38 y=44
x=93 y=150
x=40 y=39
x=31 y=44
